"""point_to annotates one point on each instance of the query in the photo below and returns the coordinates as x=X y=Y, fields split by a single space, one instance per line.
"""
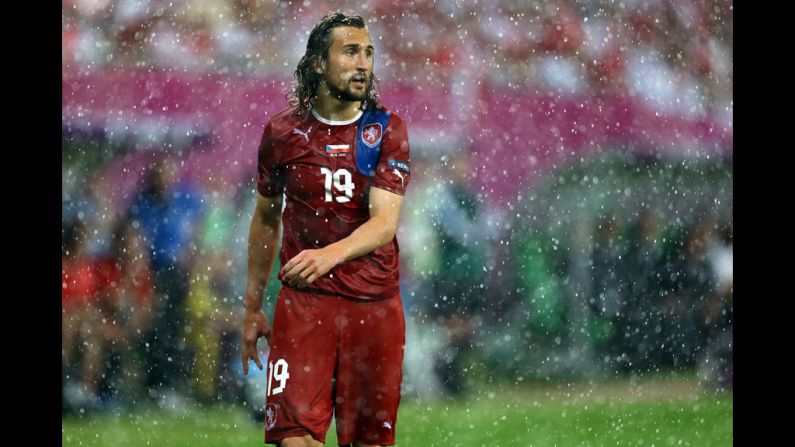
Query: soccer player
x=341 y=160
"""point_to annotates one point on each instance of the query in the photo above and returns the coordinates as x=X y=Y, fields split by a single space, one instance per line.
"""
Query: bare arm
x=262 y=241
x=378 y=231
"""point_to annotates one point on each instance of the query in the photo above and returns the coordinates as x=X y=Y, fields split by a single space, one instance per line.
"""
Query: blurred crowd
x=635 y=284
x=674 y=54
x=152 y=293
x=153 y=284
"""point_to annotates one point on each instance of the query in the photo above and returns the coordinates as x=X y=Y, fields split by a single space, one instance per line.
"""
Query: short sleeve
x=270 y=177
x=393 y=171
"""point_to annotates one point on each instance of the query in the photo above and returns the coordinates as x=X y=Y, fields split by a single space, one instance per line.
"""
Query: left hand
x=308 y=266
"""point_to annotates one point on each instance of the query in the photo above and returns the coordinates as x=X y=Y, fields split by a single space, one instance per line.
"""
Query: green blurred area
x=670 y=411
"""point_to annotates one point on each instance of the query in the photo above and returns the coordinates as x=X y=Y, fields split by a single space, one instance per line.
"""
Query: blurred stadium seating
x=580 y=120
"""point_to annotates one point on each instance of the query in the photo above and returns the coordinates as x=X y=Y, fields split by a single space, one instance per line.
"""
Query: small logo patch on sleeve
x=399 y=164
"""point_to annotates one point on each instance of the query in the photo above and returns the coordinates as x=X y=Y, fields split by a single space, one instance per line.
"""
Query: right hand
x=255 y=325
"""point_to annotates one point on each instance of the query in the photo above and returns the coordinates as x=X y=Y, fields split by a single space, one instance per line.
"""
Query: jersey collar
x=337 y=123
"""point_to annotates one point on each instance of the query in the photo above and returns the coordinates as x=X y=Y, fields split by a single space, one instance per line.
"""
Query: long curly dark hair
x=302 y=95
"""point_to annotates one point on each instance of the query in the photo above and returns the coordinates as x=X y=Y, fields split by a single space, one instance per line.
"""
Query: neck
x=334 y=109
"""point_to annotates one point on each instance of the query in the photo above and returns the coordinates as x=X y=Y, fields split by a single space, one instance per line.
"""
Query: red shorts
x=331 y=354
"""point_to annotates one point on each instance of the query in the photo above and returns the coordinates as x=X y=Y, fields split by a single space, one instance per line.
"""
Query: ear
x=319 y=66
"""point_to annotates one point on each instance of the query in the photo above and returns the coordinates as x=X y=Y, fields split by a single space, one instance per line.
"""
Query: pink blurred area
x=514 y=135
x=523 y=86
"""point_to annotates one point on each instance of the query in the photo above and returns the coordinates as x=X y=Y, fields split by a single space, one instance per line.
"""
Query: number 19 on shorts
x=277 y=372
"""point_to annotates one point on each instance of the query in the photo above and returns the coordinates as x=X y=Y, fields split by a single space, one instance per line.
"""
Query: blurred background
x=568 y=224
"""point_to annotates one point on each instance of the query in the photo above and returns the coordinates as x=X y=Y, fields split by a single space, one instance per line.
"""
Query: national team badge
x=270 y=416
x=371 y=134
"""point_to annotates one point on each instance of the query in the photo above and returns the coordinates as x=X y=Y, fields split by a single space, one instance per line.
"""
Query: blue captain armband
x=369 y=136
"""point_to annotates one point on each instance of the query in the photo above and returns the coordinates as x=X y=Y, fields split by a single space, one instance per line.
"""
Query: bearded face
x=348 y=69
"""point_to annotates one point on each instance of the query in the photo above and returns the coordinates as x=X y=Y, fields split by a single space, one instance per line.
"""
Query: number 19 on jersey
x=343 y=182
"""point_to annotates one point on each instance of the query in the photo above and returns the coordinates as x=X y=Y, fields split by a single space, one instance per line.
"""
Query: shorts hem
x=367 y=441
x=297 y=432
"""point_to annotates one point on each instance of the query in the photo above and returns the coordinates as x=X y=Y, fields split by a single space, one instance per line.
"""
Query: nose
x=362 y=62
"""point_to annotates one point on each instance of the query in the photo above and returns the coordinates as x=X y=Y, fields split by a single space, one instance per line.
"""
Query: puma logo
x=399 y=175
x=303 y=134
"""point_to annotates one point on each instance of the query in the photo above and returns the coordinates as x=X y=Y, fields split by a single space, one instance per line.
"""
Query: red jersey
x=84 y=279
x=313 y=161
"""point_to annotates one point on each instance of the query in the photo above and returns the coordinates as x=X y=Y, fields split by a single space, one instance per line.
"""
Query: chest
x=320 y=166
